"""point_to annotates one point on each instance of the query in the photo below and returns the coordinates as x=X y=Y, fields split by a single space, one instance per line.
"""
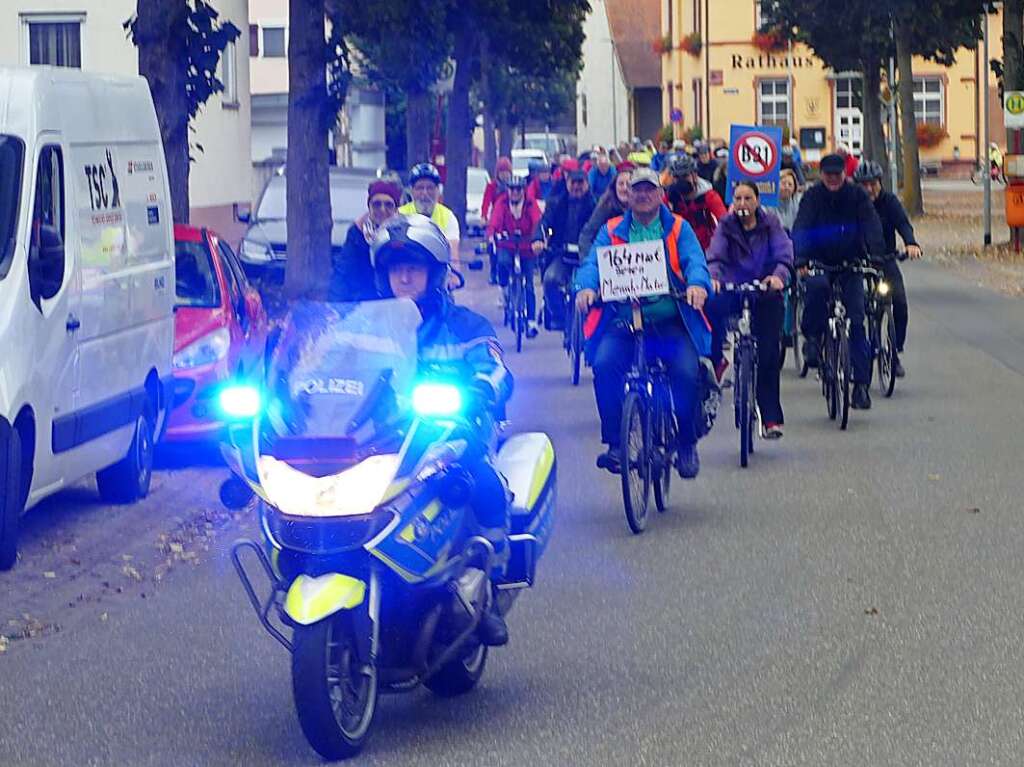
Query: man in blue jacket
x=676 y=330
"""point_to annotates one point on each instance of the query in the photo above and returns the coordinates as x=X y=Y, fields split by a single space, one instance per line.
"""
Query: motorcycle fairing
x=312 y=599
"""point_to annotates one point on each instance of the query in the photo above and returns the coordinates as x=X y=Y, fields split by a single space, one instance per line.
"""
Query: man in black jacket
x=838 y=224
x=894 y=219
x=565 y=216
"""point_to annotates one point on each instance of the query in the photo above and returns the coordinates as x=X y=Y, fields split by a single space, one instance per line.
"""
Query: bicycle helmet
x=416 y=239
x=682 y=165
x=536 y=166
x=516 y=182
x=424 y=170
x=868 y=171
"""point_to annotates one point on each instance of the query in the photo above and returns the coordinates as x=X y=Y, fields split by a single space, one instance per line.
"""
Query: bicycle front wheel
x=828 y=375
x=843 y=376
x=744 y=404
x=634 y=441
x=798 y=352
x=576 y=346
x=520 y=313
x=665 y=446
x=886 y=352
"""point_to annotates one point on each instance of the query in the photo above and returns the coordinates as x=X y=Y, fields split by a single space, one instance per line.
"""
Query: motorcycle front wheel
x=335 y=692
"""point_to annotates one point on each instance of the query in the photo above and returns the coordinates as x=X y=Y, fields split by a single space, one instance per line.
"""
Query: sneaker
x=610 y=460
x=720 y=367
x=773 y=431
x=861 y=397
x=688 y=462
x=897 y=368
x=531 y=329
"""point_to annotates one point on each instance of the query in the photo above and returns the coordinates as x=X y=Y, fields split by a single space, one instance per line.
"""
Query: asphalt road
x=851 y=599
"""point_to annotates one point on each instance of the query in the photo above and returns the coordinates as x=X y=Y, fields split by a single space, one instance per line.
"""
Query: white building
x=618 y=95
x=359 y=140
x=90 y=35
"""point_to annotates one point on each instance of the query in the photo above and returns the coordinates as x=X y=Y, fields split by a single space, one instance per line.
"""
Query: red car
x=220 y=330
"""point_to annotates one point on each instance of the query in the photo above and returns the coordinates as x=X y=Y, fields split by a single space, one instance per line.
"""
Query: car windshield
x=476 y=181
x=195 y=279
x=522 y=162
x=331 y=359
x=11 y=154
x=348 y=198
x=548 y=144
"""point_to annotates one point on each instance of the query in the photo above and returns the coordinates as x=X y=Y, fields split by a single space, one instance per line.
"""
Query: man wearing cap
x=675 y=328
x=564 y=217
x=837 y=224
x=352 y=277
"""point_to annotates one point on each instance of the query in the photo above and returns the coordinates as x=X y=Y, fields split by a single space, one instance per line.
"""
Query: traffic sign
x=676 y=115
x=755 y=156
x=1013 y=109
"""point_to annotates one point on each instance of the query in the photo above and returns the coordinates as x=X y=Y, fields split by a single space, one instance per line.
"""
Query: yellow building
x=718 y=71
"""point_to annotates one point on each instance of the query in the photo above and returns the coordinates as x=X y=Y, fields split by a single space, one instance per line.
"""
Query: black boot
x=897 y=367
x=688 y=461
x=493 y=631
x=610 y=460
x=861 y=397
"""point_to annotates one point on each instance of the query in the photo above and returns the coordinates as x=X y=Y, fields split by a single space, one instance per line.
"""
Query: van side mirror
x=242 y=215
x=46 y=264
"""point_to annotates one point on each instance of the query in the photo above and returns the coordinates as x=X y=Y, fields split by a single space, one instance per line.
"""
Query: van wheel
x=128 y=480
x=11 y=501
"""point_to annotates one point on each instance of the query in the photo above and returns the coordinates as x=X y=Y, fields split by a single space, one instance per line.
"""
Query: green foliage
x=205 y=39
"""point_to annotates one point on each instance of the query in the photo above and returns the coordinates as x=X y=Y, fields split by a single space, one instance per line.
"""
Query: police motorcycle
x=378 y=582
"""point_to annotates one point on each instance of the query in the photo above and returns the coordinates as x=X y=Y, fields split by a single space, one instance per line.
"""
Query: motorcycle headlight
x=212 y=347
x=434 y=400
x=256 y=252
x=883 y=288
x=240 y=401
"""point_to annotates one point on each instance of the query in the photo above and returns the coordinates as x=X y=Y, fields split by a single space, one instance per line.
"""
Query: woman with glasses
x=352 y=277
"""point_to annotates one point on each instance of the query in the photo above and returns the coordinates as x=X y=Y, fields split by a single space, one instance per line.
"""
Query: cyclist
x=995 y=159
x=601 y=175
x=511 y=226
x=496 y=186
x=750 y=244
x=676 y=329
x=706 y=165
x=425 y=181
x=789 y=198
x=564 y=217
x=614 y=202
x=352 y=277
x=837 y=223
x=540 y=182
x=692 y=197
x=894 y=219
x=411 y=259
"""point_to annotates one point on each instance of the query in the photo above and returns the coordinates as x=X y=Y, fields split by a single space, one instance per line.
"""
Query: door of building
x=849 y=115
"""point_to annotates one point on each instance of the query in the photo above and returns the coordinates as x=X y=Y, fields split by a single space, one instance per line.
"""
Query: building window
x=698 y=103
x=762 y=11
x=928 y=104
x=698 y=26
x=254 y=39
x=274 y=45
x=773 y=102
x=583 y=108
x=54 y=40
x=229 y=75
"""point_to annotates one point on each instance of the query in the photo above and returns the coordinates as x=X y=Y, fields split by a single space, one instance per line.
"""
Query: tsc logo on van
x=104 y=191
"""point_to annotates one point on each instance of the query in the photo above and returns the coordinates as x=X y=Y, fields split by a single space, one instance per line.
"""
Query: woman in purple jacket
x=750 y=244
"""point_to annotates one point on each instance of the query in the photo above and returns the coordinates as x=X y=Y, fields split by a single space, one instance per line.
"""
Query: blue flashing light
x=435 y=400
x=240 y=401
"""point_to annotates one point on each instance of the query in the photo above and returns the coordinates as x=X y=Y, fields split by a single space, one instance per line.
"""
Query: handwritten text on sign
x=633 y=270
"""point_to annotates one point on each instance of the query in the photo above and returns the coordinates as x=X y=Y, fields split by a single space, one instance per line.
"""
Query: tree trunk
x=490 y=122
x=1013 y=46
x=460 y=125
x=874 y=137
x=911 y=160
x=418 y=125
x=162 y=58
x=308 y=268
x=506 y=138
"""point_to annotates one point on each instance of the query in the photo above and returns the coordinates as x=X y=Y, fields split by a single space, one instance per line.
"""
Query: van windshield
x=194 y=276
x=348 y=198
x=12 y=152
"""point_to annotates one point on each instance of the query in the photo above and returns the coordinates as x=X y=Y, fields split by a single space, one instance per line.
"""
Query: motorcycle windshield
x=335 y=365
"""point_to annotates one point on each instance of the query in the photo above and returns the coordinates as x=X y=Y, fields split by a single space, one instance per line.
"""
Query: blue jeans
x=816 y=318
x=613 y=358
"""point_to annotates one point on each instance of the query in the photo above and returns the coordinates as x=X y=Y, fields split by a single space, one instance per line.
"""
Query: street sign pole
x=986 y=174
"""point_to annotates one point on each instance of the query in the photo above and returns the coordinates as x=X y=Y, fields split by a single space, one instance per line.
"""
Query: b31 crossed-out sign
x=755 y=155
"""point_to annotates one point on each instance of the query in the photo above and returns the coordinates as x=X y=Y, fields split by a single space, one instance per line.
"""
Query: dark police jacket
x=833 y=227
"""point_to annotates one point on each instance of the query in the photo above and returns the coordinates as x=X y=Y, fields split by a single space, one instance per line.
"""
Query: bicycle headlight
x=883 y=288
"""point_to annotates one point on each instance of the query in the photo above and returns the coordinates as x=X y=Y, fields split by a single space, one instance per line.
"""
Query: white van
x=86 y=287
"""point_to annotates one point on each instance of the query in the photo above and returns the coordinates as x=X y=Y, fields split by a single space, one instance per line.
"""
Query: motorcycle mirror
x=235 y=494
